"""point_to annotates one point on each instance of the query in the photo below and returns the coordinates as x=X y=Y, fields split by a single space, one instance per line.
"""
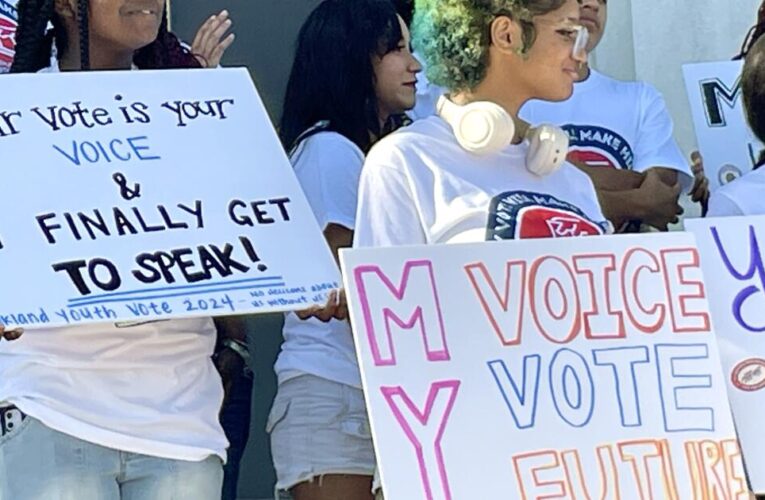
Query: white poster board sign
x=575 y=369
x=725 y=140
x=731 y=257
x=132 y=195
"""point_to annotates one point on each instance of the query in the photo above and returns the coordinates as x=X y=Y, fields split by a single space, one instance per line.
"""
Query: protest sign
x=149 y=194
x=725 y=140
x=577 y=368
x=731 y=257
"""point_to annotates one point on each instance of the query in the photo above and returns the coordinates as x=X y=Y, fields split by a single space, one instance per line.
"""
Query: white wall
x=651 y=39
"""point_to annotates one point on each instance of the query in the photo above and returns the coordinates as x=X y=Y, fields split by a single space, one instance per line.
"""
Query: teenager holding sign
x=353 y=73
x=108 y=411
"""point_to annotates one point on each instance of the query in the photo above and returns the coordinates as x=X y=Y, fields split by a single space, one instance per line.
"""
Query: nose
x=414 y=65
x=580 y=56
x=590 y=4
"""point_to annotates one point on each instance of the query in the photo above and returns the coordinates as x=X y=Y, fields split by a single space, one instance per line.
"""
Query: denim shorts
x=39 y=463
x=319 y=427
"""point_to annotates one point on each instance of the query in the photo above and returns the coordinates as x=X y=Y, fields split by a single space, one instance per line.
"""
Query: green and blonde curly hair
x=454 y=35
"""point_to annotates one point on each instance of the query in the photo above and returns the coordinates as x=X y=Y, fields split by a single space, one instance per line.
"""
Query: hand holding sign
x=10 y=334
x=700 y=191
x=335 y=308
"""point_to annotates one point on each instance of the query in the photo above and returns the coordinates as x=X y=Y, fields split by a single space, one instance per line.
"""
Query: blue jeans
x=38 y=463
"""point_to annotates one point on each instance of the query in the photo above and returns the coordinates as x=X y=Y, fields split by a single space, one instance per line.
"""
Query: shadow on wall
x=266 y=32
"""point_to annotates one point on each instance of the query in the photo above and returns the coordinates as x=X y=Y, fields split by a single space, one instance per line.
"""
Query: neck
x=382 y=117
x=494 y=91
x=499 y=91
x=101 y=58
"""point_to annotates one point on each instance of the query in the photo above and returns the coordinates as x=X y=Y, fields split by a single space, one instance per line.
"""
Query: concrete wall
x=266 y=31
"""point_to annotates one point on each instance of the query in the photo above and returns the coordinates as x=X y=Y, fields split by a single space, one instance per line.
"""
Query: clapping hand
x=210 y=42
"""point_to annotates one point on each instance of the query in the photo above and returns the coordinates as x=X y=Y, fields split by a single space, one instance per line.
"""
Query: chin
x=142 y=42
x=560 y=94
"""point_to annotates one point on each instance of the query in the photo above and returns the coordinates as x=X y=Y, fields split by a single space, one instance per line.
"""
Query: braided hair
x=34 y=41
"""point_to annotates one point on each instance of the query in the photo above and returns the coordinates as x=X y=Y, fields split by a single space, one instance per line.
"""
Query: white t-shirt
x=148 y=387
x=145 y=387
x=744 y=196
x=420 y=187
x=328 y=166
x=615 y=124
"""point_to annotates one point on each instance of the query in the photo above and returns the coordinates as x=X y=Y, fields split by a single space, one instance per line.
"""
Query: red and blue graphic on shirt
x=523 y=215
x=7 y=34
x=598 y=147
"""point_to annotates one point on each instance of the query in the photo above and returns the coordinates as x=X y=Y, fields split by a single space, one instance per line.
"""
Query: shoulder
x=329 y=142
x=744 y=194
x=327 y=148
x=421 y=136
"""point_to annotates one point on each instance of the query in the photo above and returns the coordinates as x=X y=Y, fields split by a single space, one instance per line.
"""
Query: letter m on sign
x=413 y=304
x=715 y=93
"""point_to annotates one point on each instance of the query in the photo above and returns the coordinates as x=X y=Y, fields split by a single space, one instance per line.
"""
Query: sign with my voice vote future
x=143 y=194
x=584 y=368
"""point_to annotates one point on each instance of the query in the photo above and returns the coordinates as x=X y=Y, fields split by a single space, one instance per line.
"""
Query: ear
x=506 y=35
x=66 y=9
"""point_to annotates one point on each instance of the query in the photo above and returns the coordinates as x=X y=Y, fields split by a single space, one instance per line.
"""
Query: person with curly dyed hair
x=464 y=174
x=110 y=410
x=472 y=172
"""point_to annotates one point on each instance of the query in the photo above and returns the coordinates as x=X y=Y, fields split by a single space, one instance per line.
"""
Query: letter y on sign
x=425 y=429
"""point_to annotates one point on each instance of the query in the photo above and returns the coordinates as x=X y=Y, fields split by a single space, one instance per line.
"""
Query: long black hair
x=34 y=40
x=332 y=76
x=754 y=33
x=753 y=92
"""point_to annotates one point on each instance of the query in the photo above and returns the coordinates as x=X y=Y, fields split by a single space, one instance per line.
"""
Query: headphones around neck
x=484 y=128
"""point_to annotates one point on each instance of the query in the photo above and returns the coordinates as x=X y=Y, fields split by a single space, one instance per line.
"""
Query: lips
x=142 y=8
x=589 y=21
x=145 y=12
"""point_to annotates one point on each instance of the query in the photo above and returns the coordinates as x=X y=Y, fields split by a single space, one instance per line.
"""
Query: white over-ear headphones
x=485 y=127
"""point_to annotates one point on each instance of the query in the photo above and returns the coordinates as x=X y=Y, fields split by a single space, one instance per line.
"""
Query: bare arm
x=625 y=195
x=611 y=179
x=337 y=237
